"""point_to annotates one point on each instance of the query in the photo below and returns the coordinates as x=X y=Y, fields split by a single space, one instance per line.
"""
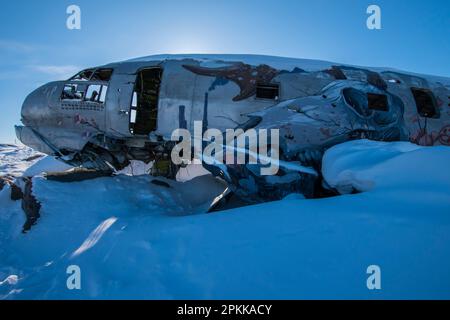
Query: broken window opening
x=72 y=91
x=102 y=75
x=425 y=103
x=365 y=103
x=144 y=104
x=84 y=75
x=267 y=91
x=96 y=93
x=93 y=75
x=377 y=102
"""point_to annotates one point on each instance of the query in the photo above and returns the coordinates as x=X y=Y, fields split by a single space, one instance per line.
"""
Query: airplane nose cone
x=36 y=107
x=31 y=138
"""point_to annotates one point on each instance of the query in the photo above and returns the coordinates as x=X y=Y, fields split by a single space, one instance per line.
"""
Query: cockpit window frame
x=101 y=93
x=72 y=84
x=87 y=83
x=93 y=71
x=73 y=78
x=110 y=70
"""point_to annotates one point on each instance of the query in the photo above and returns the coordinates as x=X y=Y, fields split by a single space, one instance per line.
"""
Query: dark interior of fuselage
x=144 y=108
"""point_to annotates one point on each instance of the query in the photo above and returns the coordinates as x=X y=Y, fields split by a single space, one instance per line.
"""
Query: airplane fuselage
x=105 y=116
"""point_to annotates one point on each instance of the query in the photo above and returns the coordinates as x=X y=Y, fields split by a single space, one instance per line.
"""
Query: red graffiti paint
x=444 y=135
x=423 y=138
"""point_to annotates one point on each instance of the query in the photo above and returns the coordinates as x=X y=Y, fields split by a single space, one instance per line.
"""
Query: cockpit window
x=84 y=75
x=93 y=75
x=72 y=91
x=96 y=93
x=102 y=75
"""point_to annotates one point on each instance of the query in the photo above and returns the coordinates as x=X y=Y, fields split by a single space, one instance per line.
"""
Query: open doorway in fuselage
x=144 y=106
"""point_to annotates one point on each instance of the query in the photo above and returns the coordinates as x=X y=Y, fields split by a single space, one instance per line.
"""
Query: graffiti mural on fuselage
x=247 y=77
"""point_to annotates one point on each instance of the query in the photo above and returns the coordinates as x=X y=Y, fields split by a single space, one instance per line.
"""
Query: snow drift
x=134 y=239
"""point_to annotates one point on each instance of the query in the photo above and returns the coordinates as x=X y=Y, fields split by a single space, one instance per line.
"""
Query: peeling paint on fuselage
x=311 y=111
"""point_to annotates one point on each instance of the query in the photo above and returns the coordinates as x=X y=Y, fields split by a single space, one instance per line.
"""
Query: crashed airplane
x=103 y=117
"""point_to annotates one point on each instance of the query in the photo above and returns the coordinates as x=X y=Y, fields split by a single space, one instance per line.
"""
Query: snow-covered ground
x=14 y=160
x=135 y=239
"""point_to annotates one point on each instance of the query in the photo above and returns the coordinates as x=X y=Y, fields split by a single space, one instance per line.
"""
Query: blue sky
x=36 y=47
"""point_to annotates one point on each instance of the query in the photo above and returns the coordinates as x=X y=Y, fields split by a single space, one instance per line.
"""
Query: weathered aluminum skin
x=311 y=109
